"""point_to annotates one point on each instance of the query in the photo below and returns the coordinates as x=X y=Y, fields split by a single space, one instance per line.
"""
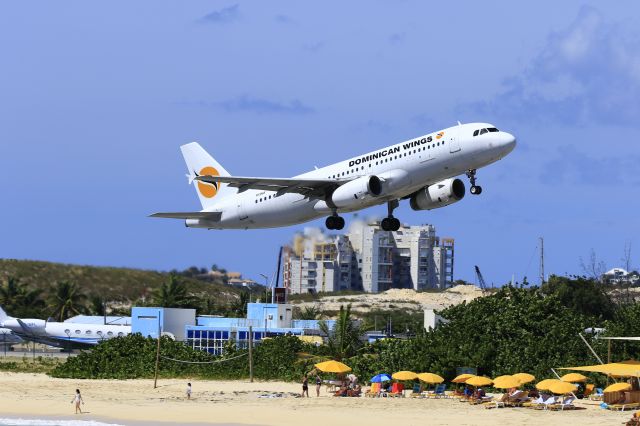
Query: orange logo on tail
x=208 y=190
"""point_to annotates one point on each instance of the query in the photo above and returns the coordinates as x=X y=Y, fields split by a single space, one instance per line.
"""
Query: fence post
x=251 y=354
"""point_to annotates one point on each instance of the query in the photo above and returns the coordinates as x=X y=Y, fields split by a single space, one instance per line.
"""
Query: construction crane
x=480 y=278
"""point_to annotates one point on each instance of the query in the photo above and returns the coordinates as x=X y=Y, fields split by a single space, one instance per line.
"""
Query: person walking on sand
x=305 y=386
x=318 y=384
x=188 y=390
x=78 y=399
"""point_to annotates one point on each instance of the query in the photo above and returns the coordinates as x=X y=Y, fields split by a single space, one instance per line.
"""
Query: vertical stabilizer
x=3 y=315
x=200 y=163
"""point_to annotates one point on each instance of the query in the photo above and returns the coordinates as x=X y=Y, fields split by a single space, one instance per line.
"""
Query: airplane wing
x=212 y=216
x=28 y=334
x=307 y=187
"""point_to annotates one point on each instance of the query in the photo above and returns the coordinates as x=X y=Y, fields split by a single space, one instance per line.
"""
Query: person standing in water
x=78 y=399
x=188 y=390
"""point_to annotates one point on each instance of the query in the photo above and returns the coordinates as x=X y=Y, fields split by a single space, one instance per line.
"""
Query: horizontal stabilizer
x=213 y=216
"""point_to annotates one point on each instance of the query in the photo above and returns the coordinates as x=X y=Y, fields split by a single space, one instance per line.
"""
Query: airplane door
x=454 y=143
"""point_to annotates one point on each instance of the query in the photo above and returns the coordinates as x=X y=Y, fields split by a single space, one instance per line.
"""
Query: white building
x=368 y=259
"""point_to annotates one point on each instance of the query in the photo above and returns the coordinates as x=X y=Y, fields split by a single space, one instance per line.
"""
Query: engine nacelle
x=438 y=195
x=356 y=192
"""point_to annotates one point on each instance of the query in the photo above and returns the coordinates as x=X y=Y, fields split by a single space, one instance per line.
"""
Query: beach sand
x=238 y=402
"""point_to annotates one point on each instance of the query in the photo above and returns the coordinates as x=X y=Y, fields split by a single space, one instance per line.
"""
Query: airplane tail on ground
x=3 y=315
x=200 y=163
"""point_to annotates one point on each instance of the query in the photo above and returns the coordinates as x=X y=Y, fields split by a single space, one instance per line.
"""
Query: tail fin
x=199 y=162
x=3 y=315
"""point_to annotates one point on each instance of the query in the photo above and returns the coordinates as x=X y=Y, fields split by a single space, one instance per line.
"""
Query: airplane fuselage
x=404 y=168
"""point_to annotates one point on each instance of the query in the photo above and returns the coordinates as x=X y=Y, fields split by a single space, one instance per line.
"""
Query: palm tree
x=172 y=294
x=239 y=306
x=98 y=306
x=310 y=313
x=66 y=300
x=19 y=300
x=344 y=339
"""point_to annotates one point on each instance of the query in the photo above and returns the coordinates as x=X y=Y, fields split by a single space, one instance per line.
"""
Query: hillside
x=394 y=299
x=124 y=285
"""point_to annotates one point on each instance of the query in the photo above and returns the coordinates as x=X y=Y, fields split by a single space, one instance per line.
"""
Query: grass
x=28 y=365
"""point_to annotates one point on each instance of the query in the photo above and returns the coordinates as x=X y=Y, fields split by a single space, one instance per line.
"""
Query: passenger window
x=483 y=131
x=475 y=132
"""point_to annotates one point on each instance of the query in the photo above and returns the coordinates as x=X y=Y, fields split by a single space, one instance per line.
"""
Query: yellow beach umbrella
x=404 y=375
x=573 y=378
x=430 y=378
x=524 y=377
x=561 y=387
x=618 y=387
x=333 y=367
x=544 y=384
x=462 y=378
x=479 y=381
x=495 y=379
x=506 y=382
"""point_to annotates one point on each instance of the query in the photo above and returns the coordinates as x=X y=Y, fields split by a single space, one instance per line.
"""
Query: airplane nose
x=508 y=142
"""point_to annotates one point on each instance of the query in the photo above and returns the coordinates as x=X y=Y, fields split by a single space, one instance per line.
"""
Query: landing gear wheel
x=334 y=222
x=390 y=224
x=476 y=190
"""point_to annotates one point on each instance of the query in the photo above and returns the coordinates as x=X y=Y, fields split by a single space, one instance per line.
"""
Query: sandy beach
x=241 y=402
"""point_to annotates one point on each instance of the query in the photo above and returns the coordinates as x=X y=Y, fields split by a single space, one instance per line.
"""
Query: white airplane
x=61 y=334
x=422 y=169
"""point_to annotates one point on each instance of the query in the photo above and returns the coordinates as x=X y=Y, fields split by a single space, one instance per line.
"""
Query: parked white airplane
x=61 y=334
x=422 y=170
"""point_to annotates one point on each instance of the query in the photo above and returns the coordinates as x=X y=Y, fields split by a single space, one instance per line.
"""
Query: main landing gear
x=334 y=222
x=390 y=223
x=475 y=189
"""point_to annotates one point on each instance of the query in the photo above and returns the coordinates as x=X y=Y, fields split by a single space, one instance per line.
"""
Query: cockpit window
x=475 y=132
x=483 y=131
x=493 y=129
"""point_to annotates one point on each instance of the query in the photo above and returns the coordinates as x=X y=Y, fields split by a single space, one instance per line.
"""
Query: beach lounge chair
x=374 y=391
x=543 y=404
x=567 y=404
x=624 y=407
x=597 y=395
x=438 y=392
x=417 y=391
x=534 y=403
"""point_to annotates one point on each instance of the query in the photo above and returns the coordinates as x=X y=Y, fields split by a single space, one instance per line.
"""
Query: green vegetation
x=28 y=365
x=134 y=356
x=38 y=289
x=514 y=329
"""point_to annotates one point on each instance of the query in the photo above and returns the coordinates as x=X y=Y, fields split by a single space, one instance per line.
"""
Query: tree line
x=65 y=299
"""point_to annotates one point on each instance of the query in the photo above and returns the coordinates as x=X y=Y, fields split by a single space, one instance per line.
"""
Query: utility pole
x=541 y=261
x=251 y=354
x=155 y=379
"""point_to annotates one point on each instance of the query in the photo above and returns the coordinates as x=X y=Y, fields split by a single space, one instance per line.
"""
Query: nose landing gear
x=475 y=189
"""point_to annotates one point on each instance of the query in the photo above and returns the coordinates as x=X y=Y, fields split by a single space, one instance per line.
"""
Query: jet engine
x=438 y=195
x=356 y=192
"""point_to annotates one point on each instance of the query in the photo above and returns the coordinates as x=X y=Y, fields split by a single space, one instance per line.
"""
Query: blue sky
x=97 y=97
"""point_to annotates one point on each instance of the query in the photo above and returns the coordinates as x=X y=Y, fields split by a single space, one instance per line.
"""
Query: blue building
x=212 y=334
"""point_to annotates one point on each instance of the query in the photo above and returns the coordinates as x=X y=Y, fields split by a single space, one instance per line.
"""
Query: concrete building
x=370 y=259
x=214 y=334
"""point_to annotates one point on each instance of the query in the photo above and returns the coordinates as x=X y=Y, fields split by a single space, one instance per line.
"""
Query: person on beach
x=188 y=390
x=318 y=384
x=78 y=399
x=305 y=386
